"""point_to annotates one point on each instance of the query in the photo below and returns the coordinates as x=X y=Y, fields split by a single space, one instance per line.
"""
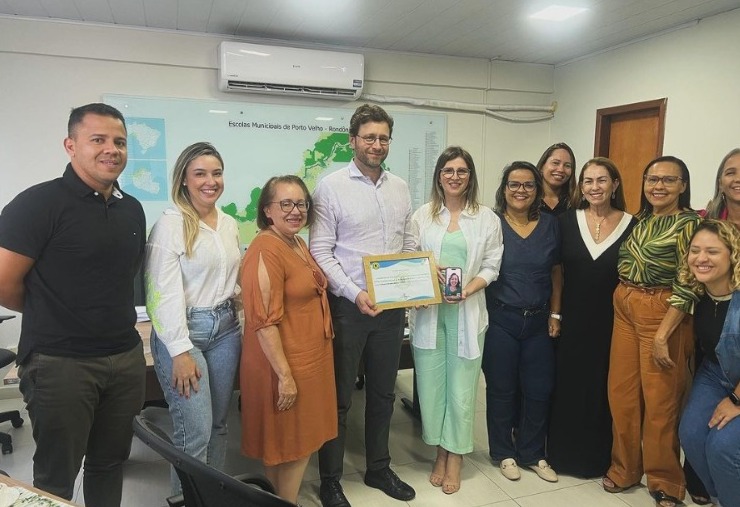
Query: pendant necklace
x=598 y=225
x=719 y=299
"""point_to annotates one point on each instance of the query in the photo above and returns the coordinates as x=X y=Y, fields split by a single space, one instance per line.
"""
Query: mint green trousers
x=447 y=386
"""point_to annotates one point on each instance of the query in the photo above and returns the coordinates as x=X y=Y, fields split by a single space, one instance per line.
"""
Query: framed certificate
x=402 y=280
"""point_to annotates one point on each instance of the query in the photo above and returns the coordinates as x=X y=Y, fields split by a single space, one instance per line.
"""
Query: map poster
x=258 y=141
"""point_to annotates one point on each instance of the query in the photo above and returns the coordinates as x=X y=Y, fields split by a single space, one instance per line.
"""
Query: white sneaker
x=510 y=469
x=545 y=471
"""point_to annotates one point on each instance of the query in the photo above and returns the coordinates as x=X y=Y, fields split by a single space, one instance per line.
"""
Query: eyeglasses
x=513 y=186
x=370 y=140
x=668 y=181
x=286 y=205
x=449 y=173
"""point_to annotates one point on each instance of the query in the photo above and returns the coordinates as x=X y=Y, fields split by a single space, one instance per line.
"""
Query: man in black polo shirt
x=69 y=251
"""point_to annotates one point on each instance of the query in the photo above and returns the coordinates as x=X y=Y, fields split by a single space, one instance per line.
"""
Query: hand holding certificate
x=402 y=280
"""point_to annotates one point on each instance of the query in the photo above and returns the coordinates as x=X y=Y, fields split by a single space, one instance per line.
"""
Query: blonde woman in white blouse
x=448 y=338
x=192 y=263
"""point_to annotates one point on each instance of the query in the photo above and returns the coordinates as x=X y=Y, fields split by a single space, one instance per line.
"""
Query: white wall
x=48 y=67
x=696 y=68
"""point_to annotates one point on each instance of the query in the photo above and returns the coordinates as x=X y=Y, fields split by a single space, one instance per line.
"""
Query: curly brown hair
x=730 y=236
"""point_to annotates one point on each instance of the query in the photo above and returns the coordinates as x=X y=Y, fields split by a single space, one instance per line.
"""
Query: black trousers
x=380 y=339
x=83 y=407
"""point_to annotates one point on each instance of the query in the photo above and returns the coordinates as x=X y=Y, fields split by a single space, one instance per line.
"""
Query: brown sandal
x=613 y=488
x=451 y=484
x=440 y=465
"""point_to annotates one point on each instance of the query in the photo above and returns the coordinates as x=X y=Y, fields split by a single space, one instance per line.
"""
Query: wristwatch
x=556 y=316
x=734 y=399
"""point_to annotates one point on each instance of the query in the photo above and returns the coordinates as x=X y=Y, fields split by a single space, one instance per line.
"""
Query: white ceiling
x=492 y=29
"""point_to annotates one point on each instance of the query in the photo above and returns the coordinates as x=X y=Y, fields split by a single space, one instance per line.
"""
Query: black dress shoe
x=388 y=482
x=331 y=494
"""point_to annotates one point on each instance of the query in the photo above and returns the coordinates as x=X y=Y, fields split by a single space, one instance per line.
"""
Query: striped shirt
x=652 y=253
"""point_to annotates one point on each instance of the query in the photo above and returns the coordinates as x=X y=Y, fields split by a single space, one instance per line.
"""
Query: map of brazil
x=145 y=176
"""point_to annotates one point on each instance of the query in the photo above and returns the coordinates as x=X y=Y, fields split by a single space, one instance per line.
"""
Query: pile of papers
x=16 y=496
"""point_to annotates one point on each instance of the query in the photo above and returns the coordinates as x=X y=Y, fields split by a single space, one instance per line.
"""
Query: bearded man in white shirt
x=361 y=210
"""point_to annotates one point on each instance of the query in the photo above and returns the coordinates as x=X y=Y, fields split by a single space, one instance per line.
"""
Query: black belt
x=526 y=312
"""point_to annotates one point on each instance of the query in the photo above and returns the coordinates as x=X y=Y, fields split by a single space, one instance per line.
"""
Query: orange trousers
x=645 y=399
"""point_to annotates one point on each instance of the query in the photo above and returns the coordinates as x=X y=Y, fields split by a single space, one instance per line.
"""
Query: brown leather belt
x=644 y=288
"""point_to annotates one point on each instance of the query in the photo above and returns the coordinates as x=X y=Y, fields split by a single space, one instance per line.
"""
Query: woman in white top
x=192 y=263
x=448 y=338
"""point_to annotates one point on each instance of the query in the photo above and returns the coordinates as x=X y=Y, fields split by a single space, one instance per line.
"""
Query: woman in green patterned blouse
x=652 y=338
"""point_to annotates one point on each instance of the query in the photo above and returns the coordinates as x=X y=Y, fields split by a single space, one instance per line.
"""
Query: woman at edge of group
x=287 y=365
x=447 y=356
x=192 y=267
x=556 y=166
x=524 y=312
x=709 y=428
x=580 y=431
x=652 y=339
x=724 y=205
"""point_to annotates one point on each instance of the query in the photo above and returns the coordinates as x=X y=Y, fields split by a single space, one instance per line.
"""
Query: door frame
x=604 y=122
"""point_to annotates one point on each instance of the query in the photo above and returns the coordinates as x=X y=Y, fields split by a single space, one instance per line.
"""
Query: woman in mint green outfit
x=448 y=338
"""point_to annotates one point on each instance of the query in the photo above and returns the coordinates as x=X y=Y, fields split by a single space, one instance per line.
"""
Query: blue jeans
x=199 y=422
x=518 y=354
x=714 y=454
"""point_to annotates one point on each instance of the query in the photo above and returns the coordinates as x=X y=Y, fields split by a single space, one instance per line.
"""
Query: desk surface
x=144 y=329
x=28 y=495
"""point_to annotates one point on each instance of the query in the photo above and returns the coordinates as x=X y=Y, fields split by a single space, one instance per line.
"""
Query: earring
x=583 y=197
x=723 y=196
x=613 y=194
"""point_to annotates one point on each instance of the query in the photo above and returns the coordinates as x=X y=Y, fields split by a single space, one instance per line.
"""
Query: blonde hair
x=717 y=205
x=471 y=192
x=181 y=195
x=729 y=235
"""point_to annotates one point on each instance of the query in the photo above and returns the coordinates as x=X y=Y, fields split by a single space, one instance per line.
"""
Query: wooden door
x=631 y=135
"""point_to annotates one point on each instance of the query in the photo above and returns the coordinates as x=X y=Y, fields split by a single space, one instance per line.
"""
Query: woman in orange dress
x=287 y=374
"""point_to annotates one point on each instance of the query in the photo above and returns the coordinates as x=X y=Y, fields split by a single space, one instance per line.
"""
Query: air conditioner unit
x=277 y=70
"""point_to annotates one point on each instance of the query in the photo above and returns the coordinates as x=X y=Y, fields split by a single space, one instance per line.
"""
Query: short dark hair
x=78 y=114
x=684 y=199
x=268 y=194
x=367 y=113
x=534 y=209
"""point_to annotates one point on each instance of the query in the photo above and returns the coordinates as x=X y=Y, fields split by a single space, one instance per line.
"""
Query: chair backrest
x=204 y=486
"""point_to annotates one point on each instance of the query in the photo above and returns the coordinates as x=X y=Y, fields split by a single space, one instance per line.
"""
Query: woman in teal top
x=448 y=338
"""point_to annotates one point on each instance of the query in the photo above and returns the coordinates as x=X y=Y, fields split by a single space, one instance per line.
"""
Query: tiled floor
x=146 y=475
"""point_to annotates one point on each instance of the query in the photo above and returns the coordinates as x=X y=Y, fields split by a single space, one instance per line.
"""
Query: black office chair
x=202 y=485
x=6 y=358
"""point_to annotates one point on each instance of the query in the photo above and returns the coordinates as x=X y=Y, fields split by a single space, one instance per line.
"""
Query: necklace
x=719 y=299
x=514 y=222
x=598 y=225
